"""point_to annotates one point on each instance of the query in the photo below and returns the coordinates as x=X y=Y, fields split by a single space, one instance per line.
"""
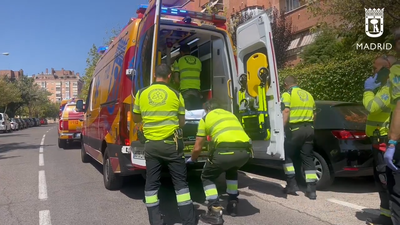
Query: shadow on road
x=366 y=213
x=13 y=135
x=8 y=157
x=134 y=188
x=19 y=146
x=73 y=146
x=343 y=185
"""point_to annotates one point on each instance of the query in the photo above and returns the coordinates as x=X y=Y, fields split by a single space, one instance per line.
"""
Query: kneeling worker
x=231 y=150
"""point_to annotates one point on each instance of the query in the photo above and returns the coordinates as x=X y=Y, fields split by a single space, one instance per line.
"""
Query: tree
x=92 y=59
x=349 y=16
x=281 y=30
x=9 y=94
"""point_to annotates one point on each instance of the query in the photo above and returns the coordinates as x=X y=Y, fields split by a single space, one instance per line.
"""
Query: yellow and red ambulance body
x=109 y=135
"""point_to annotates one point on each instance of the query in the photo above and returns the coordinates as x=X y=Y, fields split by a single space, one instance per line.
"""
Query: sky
x=57 y=34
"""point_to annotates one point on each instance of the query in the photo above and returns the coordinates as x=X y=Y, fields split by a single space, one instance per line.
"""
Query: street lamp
x=5 y=53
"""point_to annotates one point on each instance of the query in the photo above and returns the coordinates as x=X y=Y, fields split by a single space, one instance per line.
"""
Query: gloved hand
x=370 y=84
x=190 y=160
x=388 y=157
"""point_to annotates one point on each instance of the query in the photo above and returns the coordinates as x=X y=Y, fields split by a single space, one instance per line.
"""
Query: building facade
x=11 y=74
x=62 y=84
x=295 y=11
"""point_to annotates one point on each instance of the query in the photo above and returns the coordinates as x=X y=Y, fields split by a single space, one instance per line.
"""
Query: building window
x=293 y=4
x=58 y=88
x=58 y=95
x=67 y=84
x=74 y=84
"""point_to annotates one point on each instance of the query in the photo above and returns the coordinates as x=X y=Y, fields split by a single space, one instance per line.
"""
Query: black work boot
x=311 y=191
x=231 y=208
x=213 y=216
x=291 y=186
x=380 y=220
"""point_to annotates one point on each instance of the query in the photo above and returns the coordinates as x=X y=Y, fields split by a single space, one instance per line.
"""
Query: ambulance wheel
x=324 y=173
x=62 y=143
x=84 y=156
x=112 y=181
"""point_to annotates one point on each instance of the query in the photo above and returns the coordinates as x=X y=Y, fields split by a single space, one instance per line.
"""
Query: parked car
x=23 y=122
x=341 y=147
x=5 y=123
x=14 y=124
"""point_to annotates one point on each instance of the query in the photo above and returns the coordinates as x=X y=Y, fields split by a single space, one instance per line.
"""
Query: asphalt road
x=42 y=184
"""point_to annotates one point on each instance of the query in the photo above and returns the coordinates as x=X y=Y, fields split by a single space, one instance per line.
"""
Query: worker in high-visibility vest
x=392 y=154
x=162 y=111
x=187 y=71
x=377 y=102
x=298 y=119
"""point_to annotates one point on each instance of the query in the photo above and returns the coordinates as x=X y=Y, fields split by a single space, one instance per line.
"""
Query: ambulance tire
x=112 y=181
x=84 y=156
x=62 y=143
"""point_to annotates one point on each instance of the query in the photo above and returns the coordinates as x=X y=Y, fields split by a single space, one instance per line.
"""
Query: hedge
x=337 y=80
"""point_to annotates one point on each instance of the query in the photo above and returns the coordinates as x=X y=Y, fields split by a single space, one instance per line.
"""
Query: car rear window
x=354 y=116
x=69 y=108
x=1 y=116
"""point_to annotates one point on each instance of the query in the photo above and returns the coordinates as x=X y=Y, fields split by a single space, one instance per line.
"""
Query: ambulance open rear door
x=258 y=88
x=144 y=69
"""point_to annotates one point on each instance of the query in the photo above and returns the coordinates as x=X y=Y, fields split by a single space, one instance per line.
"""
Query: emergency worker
x=298 y=118
x=376 y=101
x=231 y=150
x=162 y=111
x=392 y=154
x=187 y=71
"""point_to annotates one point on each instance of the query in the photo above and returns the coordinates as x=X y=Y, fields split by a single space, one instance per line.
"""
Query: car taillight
x=60 y=124
x=349 y=135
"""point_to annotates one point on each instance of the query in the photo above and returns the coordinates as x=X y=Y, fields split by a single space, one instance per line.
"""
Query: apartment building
x=295 y=10
x=11 y=74
x=62 y=84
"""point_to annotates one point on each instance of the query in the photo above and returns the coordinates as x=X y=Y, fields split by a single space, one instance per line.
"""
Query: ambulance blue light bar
x=184 y=13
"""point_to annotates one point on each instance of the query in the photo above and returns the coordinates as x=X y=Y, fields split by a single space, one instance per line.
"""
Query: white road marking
x=354 y=206
x=42 y=186
x=42 y=142
x=44 y=217
x=41 y=160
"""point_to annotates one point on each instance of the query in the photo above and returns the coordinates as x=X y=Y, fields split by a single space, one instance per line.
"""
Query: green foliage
x=336 y=79
x=353 y=12
x=9 y=93
x=91 y=62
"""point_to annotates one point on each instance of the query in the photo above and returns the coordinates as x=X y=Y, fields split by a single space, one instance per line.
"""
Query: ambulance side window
x=143 y=64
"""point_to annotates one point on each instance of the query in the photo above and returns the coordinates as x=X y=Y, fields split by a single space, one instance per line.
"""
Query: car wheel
x=62 y=143
x=112 y=181
x=325 y=176
x=84 y=156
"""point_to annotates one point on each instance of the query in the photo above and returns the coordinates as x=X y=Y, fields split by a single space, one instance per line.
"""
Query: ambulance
x=246 y=83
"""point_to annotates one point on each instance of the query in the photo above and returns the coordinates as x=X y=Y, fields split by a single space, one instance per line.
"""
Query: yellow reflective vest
x=379 y=107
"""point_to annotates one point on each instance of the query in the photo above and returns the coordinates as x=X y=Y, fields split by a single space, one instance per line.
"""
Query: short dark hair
x=184 y=48
x=162 y=71
x=212 y=104
x=290 y=80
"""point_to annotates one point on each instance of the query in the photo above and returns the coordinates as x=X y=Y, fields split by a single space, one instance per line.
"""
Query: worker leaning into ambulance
x=186 y=72
x=376 y=100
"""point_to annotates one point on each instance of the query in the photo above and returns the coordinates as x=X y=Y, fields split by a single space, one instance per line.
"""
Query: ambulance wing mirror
x=79 y=106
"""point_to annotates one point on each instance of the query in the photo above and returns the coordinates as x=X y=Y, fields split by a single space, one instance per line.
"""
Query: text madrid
x=374 y=46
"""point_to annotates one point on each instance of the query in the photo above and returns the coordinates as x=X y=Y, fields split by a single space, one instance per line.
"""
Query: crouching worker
x=231 y=150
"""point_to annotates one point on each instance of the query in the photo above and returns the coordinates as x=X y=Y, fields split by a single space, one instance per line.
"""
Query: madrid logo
x=374 y=22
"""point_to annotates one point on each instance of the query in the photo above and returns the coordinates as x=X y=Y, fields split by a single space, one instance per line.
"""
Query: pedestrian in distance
x=392 y=154
x=231 y=149
x=162 y=111
x=298 y=118
x=376 y=100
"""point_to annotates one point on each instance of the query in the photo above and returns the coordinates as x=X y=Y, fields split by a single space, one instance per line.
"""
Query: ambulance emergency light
x=102 y=49
x=216 y=19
